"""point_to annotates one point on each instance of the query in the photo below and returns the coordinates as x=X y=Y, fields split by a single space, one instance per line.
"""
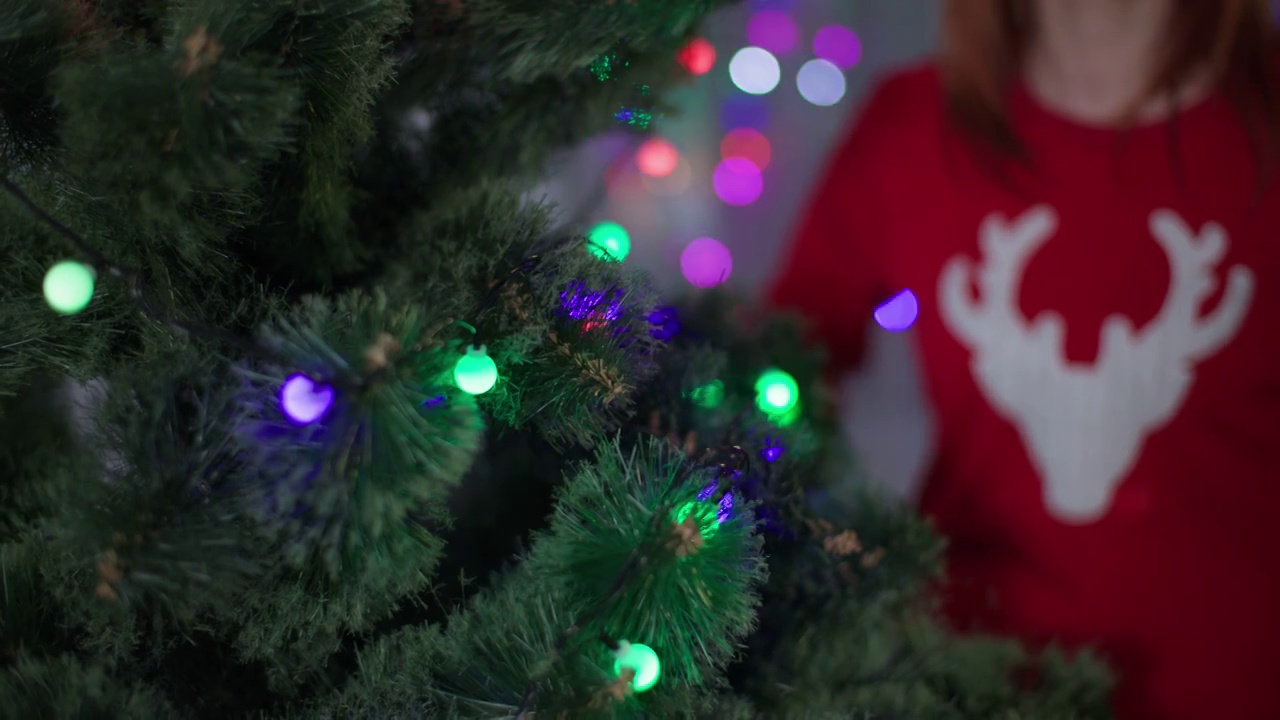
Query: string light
x=609 y=241
x=821 y=83
x=657 y=158
x=898 y=312
x=304 y=401
x=776 y=392
x=68 y=287
x=837 y=45
x=476 y=373
x=737 y=181
x=773 y=30
x=706 y=262
x=640 y=659
x=698 y=57
x=755 y=71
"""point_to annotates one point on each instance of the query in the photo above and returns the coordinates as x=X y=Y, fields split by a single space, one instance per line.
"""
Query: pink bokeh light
x=737 y=181
x=838 y=45
x=706 y=262
x=773 y=30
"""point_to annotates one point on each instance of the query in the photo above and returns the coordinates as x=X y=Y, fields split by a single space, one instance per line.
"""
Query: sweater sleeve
x=832 y=270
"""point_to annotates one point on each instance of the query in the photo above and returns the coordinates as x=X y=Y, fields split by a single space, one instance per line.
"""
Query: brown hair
x=984 y=42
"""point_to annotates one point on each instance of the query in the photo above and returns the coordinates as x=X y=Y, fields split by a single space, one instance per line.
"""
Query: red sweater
x=1098 y=338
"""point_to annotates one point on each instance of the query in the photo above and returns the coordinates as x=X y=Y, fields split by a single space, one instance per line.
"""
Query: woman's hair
x=984 y=42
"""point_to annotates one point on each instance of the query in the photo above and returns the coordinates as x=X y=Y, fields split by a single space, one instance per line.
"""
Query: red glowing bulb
x=698 y=57
x=657 y=158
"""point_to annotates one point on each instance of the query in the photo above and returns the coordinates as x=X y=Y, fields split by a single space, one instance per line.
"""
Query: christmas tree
x=308 y=411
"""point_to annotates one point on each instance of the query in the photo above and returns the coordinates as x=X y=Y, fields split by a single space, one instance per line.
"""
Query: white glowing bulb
x=821 y=83
x=755 y=70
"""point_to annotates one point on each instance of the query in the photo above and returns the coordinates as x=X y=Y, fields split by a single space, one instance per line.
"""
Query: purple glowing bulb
x=772 y=453
x=773 y=30
x=899 y=312
x=706 y=262
x=303 y=401
x=737 y=181
x=838 y=45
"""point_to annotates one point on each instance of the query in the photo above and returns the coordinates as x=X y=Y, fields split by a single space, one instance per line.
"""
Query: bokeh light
x=737 y=181
x=706 y=262
x=749 y=144
x=773 y=30
x=899 y=312
x=698 y=57
x=609 y=241
x=657 y=157
x=837 y=45
x=777 y=392
x=755 y=70
x=744 y=111
x=821 y=83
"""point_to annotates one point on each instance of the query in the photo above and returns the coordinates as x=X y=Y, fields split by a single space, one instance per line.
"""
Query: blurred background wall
x=777 y=84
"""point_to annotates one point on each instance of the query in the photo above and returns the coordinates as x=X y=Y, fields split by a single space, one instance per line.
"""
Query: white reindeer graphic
x=1084 y=425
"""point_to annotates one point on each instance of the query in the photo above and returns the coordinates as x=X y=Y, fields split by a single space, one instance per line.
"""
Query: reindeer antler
x=1193 y=260
x=1006 y=248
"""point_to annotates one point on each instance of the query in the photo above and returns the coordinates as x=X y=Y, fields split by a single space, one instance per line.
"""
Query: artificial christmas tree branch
x=274 y=529
x=138 y=288
x=629 y=573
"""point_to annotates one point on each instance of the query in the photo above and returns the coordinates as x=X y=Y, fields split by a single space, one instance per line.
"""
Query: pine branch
x=625 y=576
x=139 y=290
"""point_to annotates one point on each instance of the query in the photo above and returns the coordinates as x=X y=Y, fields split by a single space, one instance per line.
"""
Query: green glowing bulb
x=776 y=392
x=476 y=373
x=609 y=241
x=706 y=513
x=640 y=658
x=709 y=395
x=68 y=286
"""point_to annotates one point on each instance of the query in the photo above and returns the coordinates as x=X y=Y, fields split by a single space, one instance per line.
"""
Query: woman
x=1080 y=194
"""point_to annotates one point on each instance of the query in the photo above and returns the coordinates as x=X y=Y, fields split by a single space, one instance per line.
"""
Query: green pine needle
x=151 y=518
x=572 y=378
x=692 y=609
x=66 y=687
x=346 y=496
